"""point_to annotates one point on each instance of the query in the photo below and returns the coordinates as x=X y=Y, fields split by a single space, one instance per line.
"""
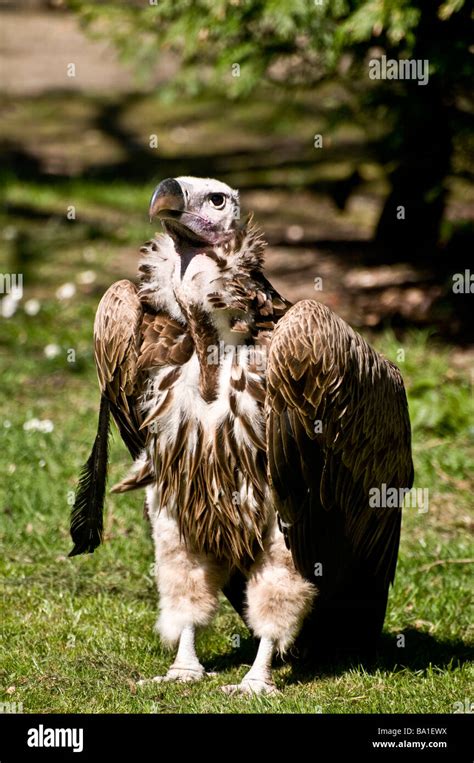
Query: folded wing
x=117 y=342
x=337 y=427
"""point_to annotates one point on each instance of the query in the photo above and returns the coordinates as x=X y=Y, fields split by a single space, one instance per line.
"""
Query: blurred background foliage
x=238 y=47
x=281 y=74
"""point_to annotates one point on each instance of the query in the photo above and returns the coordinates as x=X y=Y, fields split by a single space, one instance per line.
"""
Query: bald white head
x=196 y=211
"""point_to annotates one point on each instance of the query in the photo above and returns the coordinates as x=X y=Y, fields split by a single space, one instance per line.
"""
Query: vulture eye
x=217 y=200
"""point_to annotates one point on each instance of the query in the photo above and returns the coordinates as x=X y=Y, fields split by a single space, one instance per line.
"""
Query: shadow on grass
x=421 y=651
x=243 y=655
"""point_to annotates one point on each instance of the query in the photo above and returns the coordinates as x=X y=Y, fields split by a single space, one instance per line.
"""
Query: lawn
x=78 y=633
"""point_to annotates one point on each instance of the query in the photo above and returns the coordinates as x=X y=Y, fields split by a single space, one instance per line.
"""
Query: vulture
x=259 y=431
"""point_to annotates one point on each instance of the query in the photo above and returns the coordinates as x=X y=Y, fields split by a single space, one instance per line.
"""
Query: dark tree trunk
x=411 y=218
x=424 y=122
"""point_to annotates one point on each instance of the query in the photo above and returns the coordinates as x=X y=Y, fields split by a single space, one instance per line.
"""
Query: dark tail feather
x=87 y=512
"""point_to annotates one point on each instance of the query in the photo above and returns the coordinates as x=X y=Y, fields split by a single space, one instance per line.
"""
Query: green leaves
x=446 y=10
x=209 y=36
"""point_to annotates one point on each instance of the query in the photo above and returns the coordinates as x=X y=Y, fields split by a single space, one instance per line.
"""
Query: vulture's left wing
x=337 y=426
x=117 y=338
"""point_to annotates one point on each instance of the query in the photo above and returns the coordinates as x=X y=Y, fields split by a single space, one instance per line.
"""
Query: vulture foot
x=251 y=686
x=178 y=673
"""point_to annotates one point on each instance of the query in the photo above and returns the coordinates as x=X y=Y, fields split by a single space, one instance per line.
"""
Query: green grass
x=78 y=633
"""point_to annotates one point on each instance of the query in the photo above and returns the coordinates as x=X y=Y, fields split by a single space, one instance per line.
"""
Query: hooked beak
x=186 y=227
x=167 y=200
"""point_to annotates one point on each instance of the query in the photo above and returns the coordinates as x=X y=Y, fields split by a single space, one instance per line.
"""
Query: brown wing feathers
x=337 y=426
x=117 y=338
x=87 y=512
x=165 y=342
x=129 y=339
x=116 y=333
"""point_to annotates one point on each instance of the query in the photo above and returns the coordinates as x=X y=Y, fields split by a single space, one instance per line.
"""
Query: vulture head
x=216 y=254
x=195 y=212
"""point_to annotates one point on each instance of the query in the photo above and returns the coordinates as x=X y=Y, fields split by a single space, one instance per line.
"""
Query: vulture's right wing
x=337 y=427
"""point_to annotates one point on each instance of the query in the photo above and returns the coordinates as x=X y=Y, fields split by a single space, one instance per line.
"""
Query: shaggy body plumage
x=217 y=384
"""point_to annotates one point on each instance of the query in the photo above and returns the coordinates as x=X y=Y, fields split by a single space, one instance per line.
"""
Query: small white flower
x=86 y=277
x=9 y=305
x=32 y=306
x=52 y=350
x=38 y=425
x=7 y=424
x=42 y=463
x=30 y=424
x=66 y=291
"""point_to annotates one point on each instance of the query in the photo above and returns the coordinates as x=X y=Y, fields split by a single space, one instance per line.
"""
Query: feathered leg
x=259 y=679
x=188 y=586
x=278 y=600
